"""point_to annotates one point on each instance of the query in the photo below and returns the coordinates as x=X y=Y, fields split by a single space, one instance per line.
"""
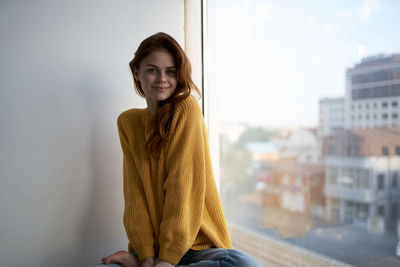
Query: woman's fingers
x=117 y=257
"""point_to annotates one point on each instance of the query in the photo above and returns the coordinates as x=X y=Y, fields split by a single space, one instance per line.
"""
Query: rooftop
x=378 y=59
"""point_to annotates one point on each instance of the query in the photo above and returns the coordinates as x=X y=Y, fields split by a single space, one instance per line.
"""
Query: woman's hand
x=163 y=264
x=123 y=258
x=148 y=262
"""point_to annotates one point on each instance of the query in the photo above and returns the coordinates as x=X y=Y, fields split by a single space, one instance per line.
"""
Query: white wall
x=64 y=78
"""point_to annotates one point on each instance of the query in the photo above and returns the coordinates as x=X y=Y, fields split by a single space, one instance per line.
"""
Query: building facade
x=362 y=169
x=372 y=97
x=331 y=115
x=373 y=93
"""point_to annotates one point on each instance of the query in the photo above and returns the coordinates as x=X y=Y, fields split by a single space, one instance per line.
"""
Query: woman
x=173 y=215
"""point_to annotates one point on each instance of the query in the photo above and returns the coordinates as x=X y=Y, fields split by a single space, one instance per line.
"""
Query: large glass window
x=299 y=186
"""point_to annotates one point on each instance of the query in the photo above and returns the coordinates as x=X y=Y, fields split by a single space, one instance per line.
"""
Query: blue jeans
x=212 y=257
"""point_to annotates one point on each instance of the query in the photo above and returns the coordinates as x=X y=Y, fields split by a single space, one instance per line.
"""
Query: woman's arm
x=184 y=185
x=137 y=222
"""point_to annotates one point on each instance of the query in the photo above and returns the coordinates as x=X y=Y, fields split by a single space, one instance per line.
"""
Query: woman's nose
x=163 y=76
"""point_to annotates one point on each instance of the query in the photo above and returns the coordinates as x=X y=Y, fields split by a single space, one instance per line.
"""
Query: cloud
x=241 y=19
x=317 y=26
x=264 y=12
x=368 y=7
x=346 y=13
x=362 y=51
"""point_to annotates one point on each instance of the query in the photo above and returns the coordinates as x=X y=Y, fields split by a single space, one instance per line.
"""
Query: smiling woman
x=157 y=77
x=173 y=214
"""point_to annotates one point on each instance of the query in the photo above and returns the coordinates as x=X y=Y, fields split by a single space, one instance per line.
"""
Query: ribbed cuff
x=144 y=252
x=170 y=256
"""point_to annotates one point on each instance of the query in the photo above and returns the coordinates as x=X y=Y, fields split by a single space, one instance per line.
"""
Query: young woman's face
x=157 y=77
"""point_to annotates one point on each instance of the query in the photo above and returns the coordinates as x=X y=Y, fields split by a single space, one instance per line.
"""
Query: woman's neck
x=152 y=105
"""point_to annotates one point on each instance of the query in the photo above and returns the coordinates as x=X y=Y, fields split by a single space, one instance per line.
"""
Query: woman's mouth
x=161 y=88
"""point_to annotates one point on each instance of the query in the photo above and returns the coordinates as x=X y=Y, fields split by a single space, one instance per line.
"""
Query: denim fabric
x=212 y=257
x=217 y=257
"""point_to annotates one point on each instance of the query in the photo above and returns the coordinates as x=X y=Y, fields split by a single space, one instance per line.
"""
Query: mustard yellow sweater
x=171 y=204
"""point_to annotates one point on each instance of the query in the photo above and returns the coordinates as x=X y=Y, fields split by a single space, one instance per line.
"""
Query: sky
x=271 y=61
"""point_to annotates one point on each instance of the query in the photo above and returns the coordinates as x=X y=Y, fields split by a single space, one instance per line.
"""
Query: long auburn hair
x=162 y=116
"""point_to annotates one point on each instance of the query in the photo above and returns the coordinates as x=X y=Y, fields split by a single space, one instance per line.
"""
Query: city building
x=293 y=197
x=331 y=115
x=372 y=97
x=373 y=92
x=362 y=169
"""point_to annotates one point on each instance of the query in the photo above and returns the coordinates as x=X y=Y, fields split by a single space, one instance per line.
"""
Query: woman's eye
x=152 y=70
x=172 y=71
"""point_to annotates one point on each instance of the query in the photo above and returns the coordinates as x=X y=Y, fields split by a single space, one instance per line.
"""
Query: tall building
x=331 y=116
x=373 y=92
x=372 y=97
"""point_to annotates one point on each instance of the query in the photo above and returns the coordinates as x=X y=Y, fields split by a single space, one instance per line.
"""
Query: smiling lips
x=160 y=88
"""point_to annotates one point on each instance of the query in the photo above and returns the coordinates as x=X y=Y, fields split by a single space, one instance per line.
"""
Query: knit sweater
x=171 y=203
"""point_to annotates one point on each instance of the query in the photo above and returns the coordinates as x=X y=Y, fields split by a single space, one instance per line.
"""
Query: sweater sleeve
x=136 y=216
x=184 y=185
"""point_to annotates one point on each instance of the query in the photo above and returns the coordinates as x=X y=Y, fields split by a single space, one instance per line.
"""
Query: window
x=385 y=151
x=384 y=104
x=253 y=47
x=381 y=211
x=397 y=150
x=381 y=181
x=394 y=104
x=394 y=211
x=395 y=115
x=384 y=116
x=395 y=178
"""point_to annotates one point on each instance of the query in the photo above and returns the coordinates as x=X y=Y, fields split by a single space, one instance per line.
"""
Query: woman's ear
x=136 y=74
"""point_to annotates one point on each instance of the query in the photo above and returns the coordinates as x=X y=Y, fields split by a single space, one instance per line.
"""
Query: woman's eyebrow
x=151 y=65
x=155 y=66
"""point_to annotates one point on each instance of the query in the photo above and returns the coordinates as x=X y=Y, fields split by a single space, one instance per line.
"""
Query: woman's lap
x=217 y=257
x=212 y=257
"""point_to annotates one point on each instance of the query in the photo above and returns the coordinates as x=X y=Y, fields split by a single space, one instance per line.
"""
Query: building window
x=384 y=116
x=367 y=116
x=367 y=105
x=381 y=181
x=381 y=211
x=395 y=177
x=375 y=105
x=394 y=104
x=397 y=150
x=395 y=115
x=385 y=151
x=375 y=116
x=384 y=104
x=394 y=211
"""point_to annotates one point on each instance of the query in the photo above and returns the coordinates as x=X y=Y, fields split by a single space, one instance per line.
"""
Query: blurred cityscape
x=333 y=189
